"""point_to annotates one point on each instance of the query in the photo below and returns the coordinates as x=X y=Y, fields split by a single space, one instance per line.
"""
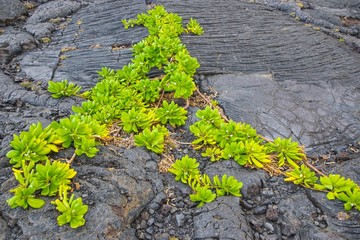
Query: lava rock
x=11 y=9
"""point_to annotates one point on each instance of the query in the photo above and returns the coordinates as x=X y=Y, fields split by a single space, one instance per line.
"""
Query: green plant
x=335 y=184
x=151 y=139
x=185 y=168
x=136 y=119
x=234 y=132
x=76 y=130
x=248 y=152
x=194 y=27
x=33 y=145
x=227 y=185
x=302 y=175
x=72 y=210
x=204 y=134
x=24 y=194
x=172 y=114
x=63 y=89
x=286 y=150
x=210 y=116
x=202 y=195
x=51 y=175
x=214 y=153
x=351 y=197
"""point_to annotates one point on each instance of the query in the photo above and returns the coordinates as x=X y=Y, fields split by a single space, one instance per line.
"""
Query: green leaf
x=302 y=175
x=185 y=168
x=36 y=202
x=287 y=151
x=152 y=140
x=63 y=89
x=172 y=114
x=203 y=195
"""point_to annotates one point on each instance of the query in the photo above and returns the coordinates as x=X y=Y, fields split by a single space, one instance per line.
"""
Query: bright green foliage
x=152 y=140
x=248 y=152
x=172 y=114
x=181 y=83
x=203 y=195
x=204 y=134
x=106 y=72
x=286 y=150
x=24 y=194
x=227 y=185
x=210 y=116
x=73 y=210
x=51 y=175
x=33 y=145
x=63 y=89
x=76 y=130
x=199 y=180
x=351 y=197
x=136 y=119
x=194 y=27
x=25 y=197
x=150 y=89
x=214 y=153
x=234 y=132
x=302 y=175
x=185 y=168
x=184 y=62
x=335 y=184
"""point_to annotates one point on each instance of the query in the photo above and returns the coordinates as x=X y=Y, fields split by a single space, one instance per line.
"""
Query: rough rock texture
x=115 y=186
x=285 y=77
x=11 y=9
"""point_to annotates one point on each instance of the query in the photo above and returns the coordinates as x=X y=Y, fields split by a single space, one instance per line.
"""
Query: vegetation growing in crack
x=129 y=98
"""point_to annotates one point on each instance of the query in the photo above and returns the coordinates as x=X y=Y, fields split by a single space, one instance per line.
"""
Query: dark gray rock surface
x=11 y=9
x=284 y=76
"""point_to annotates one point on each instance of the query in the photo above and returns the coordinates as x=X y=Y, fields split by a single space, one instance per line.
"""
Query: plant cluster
x=205 y=190
x=133 y=100
x=126 y=96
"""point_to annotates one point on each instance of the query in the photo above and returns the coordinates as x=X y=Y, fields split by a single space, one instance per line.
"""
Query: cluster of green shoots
x=135 y=102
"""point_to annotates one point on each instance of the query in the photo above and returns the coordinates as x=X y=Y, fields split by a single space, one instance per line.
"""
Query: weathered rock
x=115 y=188
x=11 y=9
x=13 y=42
x=53 y=9
x=222 y=219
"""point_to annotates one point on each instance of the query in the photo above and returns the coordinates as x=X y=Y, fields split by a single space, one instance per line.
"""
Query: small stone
x=246 y=205
x=150 y=221
x=343 y=156
x=269 y=227
x=154 y=206
x=260 y=210
x=165 y=209
x=272 y=214
x=150 y=230
x=267 y=192
x=180 y=219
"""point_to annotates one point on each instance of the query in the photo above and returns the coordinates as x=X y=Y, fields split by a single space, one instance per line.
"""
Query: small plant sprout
x=63 y=89
x=151 y=139
x=287 y=151
x=303 y=176
x=202 y=195
x=72 y=210
x=185 y=168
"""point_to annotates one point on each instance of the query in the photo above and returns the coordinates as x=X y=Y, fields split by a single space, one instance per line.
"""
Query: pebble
x=180 y=219
x=150 y=230
x=269 y=227
x=260 y=210
x=266 y=192
x=150 y=221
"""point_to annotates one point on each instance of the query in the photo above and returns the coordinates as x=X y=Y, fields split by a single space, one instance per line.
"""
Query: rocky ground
x=289 y=68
